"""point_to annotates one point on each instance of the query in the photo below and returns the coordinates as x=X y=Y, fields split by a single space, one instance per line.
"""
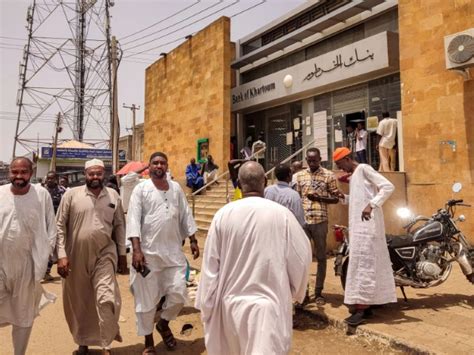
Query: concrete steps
x=208 y=203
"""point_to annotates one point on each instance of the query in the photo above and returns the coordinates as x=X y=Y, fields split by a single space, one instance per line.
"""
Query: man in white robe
x=27 y=238
x=159 y=220
x=256 y=260
x=369 y=276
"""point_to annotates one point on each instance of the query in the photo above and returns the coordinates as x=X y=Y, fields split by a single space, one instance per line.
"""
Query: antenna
x=65 y=70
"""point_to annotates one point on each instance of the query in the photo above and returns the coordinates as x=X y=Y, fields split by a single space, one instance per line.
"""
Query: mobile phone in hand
x=145 y=271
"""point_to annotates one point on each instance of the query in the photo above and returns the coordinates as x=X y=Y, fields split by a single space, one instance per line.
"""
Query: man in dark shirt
x=56 y=191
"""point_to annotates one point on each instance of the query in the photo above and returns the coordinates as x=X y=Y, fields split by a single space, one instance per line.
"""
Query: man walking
x=369 y=276
x=256 y=260
x=387 y=132
x=159 y=220
x=27 y=238
x=56 y=192
x=91 y=229
x=282 y=193
x=318 y=188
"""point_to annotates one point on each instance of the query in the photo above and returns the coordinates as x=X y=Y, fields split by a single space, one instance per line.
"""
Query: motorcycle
x=423 y=257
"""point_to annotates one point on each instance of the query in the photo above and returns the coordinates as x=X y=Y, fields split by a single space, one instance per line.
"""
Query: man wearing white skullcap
x=91 y=229
x=94 y=162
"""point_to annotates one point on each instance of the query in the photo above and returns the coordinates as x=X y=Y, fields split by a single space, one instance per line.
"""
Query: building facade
x=321 y=68
x=133 y=152
x=187 y=99
x=331 y=64
x=304 y=78
x=437 y=106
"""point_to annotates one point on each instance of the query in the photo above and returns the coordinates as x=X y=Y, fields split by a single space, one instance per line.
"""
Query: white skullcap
x=94 y=162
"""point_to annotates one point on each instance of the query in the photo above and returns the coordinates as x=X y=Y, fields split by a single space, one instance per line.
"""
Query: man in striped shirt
x=318 y=188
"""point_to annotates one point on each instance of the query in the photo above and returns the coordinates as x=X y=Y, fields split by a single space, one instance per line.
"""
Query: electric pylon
x=66 y=68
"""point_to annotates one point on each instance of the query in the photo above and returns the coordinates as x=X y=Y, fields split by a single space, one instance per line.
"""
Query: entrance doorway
x=282 y=129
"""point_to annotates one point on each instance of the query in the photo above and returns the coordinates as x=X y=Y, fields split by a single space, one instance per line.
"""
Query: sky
x=168 y=21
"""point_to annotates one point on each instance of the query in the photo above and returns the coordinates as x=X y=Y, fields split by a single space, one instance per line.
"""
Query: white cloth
x=361 y=140
x=161 y=220
x=259 y=146
x=20 y=337
x=387 y=129
x=94 y=162
x=210 y=176
x=127 y=184
x=256 y=260
x=369 y=276
x=151 y=289
x=27 y=238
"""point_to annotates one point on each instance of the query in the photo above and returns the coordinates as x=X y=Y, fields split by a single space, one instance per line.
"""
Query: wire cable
x=161 y=21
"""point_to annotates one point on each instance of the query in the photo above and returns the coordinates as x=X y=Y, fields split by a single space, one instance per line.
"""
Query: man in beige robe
x=91 y=229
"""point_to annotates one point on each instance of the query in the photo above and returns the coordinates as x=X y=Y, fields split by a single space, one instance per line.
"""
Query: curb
x=365 y=330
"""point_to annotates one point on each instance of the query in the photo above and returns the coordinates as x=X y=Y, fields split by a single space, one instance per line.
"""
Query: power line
x=185 y=26
x=174 y=24
x=163 y=20
x=248 y=9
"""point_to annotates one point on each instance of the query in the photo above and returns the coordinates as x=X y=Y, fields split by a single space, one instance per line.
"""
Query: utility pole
x=58 y=129
x=115 y=119
x=134 y=140
x=80 y=70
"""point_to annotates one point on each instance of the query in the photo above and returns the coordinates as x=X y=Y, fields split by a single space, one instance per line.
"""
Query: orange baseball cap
x=340 y=153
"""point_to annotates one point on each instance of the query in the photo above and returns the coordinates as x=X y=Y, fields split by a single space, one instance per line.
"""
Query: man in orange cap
x=369 y=278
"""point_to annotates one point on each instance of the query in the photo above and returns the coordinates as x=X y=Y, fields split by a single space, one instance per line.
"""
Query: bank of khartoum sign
x=79 y=153
x=374 y=56
x=252 y=92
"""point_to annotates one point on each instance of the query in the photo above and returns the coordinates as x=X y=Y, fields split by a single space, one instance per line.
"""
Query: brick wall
x=187 y=97
x=437 y=105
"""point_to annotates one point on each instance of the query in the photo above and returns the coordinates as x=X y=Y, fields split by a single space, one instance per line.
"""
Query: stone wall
x=187 y=97
x=437 y=106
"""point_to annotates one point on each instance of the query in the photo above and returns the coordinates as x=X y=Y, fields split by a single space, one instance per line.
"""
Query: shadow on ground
x=184 y=348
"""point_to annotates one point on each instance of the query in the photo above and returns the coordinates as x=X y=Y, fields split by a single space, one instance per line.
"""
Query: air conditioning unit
x=459 y=49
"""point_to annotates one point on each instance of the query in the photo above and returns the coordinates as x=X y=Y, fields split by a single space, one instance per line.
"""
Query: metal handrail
x=290 y=157
x=193 y=195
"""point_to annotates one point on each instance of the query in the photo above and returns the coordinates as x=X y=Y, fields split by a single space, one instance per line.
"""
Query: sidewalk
x=439 y=320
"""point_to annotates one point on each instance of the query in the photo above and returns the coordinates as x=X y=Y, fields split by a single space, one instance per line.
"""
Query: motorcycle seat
x=399 y=241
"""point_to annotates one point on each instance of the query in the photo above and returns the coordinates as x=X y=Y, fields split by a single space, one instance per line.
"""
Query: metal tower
x=66 y=69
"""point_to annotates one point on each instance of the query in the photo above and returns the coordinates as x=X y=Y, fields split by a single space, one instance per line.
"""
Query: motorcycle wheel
x=345 y=265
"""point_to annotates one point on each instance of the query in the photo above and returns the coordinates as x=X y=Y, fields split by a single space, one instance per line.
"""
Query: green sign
x=202 y=149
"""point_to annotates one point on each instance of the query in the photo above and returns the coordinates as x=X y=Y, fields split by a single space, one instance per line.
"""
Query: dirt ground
x=51 y=335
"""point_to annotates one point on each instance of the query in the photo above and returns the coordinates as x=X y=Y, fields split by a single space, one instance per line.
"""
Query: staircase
x=208 y=202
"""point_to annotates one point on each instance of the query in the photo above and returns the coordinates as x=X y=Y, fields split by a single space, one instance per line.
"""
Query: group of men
x=246 y=289
x=88 y=235
x=317 y=189
x=197 y=176
x=385 y=142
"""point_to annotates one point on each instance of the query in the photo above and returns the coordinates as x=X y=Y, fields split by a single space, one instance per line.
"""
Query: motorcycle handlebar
x=454 y=202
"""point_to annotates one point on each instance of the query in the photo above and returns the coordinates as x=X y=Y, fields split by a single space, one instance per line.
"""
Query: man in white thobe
x=256 y=261
x=159 y=220
x=27 y=238
x=369 y=276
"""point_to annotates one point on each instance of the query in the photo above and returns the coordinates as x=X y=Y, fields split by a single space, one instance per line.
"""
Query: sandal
x=166 y=335
x=320 y=300
x=149 y=350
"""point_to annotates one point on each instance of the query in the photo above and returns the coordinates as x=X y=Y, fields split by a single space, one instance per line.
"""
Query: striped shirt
x=322 y=183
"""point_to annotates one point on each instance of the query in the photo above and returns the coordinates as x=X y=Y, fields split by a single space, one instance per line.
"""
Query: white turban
x=94 y=162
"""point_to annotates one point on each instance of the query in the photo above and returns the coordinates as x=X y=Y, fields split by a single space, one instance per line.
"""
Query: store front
x=317 y=100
